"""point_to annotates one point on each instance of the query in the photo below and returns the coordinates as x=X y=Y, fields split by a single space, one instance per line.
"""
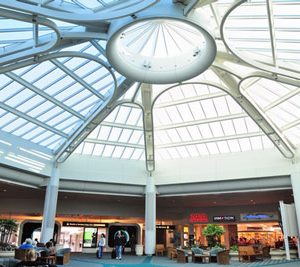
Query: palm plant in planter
x=7 y=228
x=213 y=232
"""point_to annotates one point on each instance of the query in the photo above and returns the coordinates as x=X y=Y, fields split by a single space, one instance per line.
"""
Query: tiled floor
x=89 y=260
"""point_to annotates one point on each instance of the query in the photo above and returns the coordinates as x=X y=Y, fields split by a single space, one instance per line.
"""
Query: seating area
x=61 y=257
x=249 y=253
x=159 y=249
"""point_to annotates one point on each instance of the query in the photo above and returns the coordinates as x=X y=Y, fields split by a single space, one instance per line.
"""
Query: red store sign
x=198 y=217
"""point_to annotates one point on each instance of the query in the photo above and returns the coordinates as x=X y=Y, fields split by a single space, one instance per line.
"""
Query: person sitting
x=50 y=248
x=27 y=244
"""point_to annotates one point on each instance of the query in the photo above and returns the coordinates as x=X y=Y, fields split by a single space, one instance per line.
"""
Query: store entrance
x=71 y=237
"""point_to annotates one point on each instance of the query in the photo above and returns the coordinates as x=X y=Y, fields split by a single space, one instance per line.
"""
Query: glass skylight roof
x=58 y=96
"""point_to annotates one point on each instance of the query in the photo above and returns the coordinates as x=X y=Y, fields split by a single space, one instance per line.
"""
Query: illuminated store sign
x=168 y=227
x=224 y=218
x=198 y=217
x=259 y=216
x=84 y=224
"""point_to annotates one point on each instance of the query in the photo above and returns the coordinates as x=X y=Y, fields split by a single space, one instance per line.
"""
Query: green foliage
x=213 y=232
x=234 y=248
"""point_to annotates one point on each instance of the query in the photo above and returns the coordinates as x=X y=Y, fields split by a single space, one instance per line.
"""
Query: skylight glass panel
x=205 y=131
x=125 y=135
x=184 y=134
x=251 y=125
x=162 y=154
x=108 y=150
x=161 y=117
x=118 y=152
x=221 y=106
x=134 y=116
x=114 y=134
x=240 y=126
x=212 y=148
x=173 y=153
x=223 y=147
x=123 y=114
x=136 y=137
x=161 y=137
x=256 y=143
x=234 y=145
x=216 y=129
x=7 y=118
x=94 y=133
x=87 y=148
x=9 y=91
x=183 y=152
x=174 y=114
x=37 y=132
x=245 y=144
x=209 y=108
x=185 y=112
x=173 y=134
x=228 y=127
x=192 y=150
x=127 y=153
x=98 y=149
x=188 y=91
x=197 y=110
x=104 y=132
x=194 y=132
x=202 y=149
x=52 y=141
x=137 y=154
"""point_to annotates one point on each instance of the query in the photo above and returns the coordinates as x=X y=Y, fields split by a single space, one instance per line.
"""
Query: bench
x=182 y=256
x=248 y=253
x=159 y=249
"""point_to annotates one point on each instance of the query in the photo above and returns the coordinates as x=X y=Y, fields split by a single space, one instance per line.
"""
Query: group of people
x=119 y=245
x=34 y=249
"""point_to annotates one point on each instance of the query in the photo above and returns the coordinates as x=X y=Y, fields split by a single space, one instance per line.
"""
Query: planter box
x=234 y=255
x=7 y=254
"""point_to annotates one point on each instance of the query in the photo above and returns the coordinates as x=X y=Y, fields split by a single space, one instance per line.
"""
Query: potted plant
x=234 y=252
x=213 y=232
x=7 y=228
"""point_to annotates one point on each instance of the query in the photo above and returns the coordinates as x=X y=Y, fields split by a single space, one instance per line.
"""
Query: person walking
x=119 y=243
x=101 y=245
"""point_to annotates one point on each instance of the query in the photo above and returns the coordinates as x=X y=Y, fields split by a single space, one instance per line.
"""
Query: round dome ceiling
x=161 y=50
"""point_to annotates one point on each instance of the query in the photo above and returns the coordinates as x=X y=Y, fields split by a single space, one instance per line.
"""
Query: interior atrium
x=156 y=108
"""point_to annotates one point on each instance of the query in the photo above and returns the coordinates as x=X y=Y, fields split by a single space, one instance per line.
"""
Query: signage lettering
x=198 y=217
x=224 y=218
x=84 y=224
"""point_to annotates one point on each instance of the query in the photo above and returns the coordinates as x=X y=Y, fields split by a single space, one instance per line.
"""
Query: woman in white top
x=101 y=245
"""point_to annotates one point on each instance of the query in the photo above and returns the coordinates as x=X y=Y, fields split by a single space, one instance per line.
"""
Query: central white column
x=50 y=205
x=150 y=217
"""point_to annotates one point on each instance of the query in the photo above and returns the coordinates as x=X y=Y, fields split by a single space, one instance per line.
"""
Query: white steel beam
x=32 y=120
x=77 y=78
x=211 y=140
x=43 y=94
x=101 y=111
x=189 y=100
x=203 y=121
x=233 y=88
x=146 y=91
x=112 y=143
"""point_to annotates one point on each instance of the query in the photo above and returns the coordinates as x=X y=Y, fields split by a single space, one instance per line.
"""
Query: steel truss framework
x=59 y=92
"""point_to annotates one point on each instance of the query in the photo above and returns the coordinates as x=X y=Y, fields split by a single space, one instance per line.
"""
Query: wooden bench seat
x=248 y=253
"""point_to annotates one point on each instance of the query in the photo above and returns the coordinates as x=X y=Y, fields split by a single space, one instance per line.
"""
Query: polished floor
x=88 y=260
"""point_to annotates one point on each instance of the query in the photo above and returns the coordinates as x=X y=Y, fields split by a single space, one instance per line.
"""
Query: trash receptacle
x=139 y=250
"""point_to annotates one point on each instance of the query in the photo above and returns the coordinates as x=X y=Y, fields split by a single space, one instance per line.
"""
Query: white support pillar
x=50 y=205
x=150 y=217
x=295 y=180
